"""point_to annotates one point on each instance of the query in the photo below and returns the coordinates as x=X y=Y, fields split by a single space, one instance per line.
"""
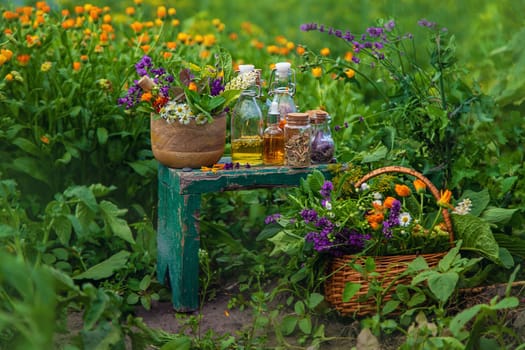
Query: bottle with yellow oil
x=247 y=122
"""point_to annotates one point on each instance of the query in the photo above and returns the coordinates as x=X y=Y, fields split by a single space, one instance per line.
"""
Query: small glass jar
x=322 y=143
x=297 y=134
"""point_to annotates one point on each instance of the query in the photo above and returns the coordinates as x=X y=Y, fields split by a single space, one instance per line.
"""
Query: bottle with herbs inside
x=322 y=143
x=297 y=134
x=247 y=121
x=273 y=138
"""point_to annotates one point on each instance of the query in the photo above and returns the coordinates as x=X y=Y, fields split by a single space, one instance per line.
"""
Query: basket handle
x=426 y=181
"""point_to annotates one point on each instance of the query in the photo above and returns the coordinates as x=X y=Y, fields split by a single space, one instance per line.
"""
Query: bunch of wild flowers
x=193 y=92
x=422 y=95
x=383 y=217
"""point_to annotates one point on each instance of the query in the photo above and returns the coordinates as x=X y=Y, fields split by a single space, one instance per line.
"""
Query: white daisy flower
x=405 y=219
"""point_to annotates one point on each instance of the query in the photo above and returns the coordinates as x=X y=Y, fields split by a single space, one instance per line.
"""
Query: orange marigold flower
x=281 y=40
x=44 y=139
x=130 y=11
x=215 y=21
x=3 y=60
x=317 y=72
x=10 y=15
x=65 y=12
x=349 y=55
x=8 y=31
x=137 y=2
x=175 y=22
x=419 y=186
x=84 y=58
x=106 y=18
x=145 y=48
x=290 y=45
x=389 y=201
x=147 y=96
x=79 y=10
x=284 y=51
x=271 y=49
x=136 y=26
x=23 y=59
x=76 y=66
x=204 y=54
x=172 y=11
x=9 y=77
x=325 y=51
x=233 y=36
x=192 y=86
x=159 y=22
x=350 y=73
x=161 y=11
x=209 y=40
x=300 y=50
x=171 y=45
x=68 y=23
x=444 y=200
x=167 y=55
x=6 y=53
x=402 y=190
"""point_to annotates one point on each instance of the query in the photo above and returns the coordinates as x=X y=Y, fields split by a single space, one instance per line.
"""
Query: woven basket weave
x=389 y=268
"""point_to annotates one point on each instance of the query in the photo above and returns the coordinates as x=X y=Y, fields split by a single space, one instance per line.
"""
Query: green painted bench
x=178 y=219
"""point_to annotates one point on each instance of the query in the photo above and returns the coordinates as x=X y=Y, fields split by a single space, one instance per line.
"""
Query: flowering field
x=78 y=178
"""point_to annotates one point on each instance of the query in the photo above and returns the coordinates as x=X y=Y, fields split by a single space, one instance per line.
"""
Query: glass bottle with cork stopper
x=297 y=134
x=247 y=122
x=273 y=138
x=322 y=143
x=282 y=87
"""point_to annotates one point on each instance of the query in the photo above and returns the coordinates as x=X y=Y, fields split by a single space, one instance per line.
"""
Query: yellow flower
x=172 y=11
x=130 y=11
x=9 y=77
x=317 y=72
x=325 y=51
x=46 y=66
x=350 y=73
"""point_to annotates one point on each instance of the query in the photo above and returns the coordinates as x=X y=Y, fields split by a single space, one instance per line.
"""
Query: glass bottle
x=282 y=87
x=273 y=138
x=297 y=134
x=247 y=124
x=322 y=143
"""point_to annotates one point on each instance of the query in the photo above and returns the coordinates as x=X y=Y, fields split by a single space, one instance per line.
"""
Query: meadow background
x=78 y=181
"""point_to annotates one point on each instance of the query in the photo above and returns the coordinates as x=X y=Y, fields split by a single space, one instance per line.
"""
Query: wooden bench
x=178 y=218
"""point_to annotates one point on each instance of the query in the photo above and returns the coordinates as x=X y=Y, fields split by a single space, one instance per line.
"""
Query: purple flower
x=326 y=189
x=426 y=23
x=393 y=219
x=337 y=128
x=309 y=215
x=272 y=218
x=389 y=26
x=216 y=87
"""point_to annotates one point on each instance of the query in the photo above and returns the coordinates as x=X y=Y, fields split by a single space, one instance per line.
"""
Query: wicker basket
x=389 y=268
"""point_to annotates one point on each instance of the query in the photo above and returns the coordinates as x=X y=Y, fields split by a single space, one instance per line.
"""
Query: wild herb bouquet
x=386 y=216
x=184 y=91
x=423 y=100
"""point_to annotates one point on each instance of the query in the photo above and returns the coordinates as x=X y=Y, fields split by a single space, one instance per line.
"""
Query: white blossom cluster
x=182 y=113
x=242 y=81
x=463 y=207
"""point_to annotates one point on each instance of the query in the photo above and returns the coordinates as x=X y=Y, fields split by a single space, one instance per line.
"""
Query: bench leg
x=178 y=246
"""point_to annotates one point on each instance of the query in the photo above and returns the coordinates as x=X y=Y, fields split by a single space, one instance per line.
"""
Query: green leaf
x=305 y=325
x=144 y=167
x=417 y=299
x=102 y=135
x=442 y=285
x=507 y=303
x=299 y=308
x=83 y=194
x=183 y=342
x=416 y=265
x=350 y=290
x=63 y=228
x=27 y=146
x=288 y=324
x=32 y=167
x=376 y=155
x=106 y=268
x=498 y=215
x=118 y=226
x=390 y=306
x=476 y=235
x=145 y=282
x=314 y=300
x=461 y=319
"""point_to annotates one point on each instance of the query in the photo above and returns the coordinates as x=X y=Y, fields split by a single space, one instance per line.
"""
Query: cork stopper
x=317 y=116
x=146 y=83
x=298 y=118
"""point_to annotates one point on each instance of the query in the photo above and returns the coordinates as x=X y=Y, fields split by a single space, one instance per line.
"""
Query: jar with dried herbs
x=297 y=134
x=322 y=143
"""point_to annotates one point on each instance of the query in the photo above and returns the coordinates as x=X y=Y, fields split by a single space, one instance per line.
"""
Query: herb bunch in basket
x=390 y=214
